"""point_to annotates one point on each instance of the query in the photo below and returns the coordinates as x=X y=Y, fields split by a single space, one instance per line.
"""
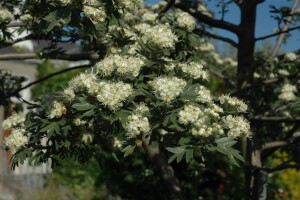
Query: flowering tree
x=147 y=88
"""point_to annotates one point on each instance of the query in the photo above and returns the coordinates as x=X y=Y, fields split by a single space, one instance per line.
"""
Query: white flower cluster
x=189 y=114
x=95 y=14
x=79 y=122
x=201 y=120
x=194 y=70
x=233 y=103
x=203 y=95
x=217 y=58
x=160 y=36
x=206 y=47
x=86 y=81
x=112 y=94
x=58 y=109
x=65 y=2
x=117 y=143
x=87 y=138
x=185 y=20
x=69 y=93
x=230 y=62
x=5 y=15
x=122 y=64
x=202 y=8
x=238 y=126
x=16 y=139
x=142 y=109
x=290 y=56
x=131 y=5
x=136 y=125
x=168 y=88
x=288 y=92
x=26 y=18
x=149 y=16
x=13 y=121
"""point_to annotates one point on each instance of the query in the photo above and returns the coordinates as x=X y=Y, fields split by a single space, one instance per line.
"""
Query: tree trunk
x=255 y=183
x=165 y=170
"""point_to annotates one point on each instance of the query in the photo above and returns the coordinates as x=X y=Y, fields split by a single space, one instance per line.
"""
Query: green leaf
x=172 y=158
x=189 y=154
x=88 y=113
x=128 y=150
x=115 y=157
x=180 y=156
x=83 y=106
x=175 y=150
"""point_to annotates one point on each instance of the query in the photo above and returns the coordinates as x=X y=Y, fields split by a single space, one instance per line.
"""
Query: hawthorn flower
x=233 y=103
x=117 y=143
x=58 y=109
x=194 y=70
x=185 y=20
x=203 y=95
x=87 y=138
x=142 y=109
x=288 y=92
x=290 y=56
x=26 y=18
x=5 y=15
x=112 y=94
x=189 y=114
x=95 y=14
x=69 y=93
x=160 y=36
x=149 y=16
x=65 y=2
x=131 y=5
x=122 y=65
x=136 y=125
x=167 y=88
x=13 y=121
x=16 y=139
x=237 y=126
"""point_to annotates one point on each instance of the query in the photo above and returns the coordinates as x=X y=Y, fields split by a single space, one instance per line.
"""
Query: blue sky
x=265 y=25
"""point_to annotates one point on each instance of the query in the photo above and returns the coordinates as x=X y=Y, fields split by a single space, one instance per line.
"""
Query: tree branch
x=274 y=119
x=14 y=93
x=70 y=57
x=285 y=165
x=278 y=33
x=167 y=7
x=217 y=37
x=274 y=144
x=208 y=20
x=166 y=171
x=285 y=27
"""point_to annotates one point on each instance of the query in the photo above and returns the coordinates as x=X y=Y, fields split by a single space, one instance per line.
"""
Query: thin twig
x=166 y=8
x=278 y=33
x=217 y=37
x=285 y=27
x=44 y=79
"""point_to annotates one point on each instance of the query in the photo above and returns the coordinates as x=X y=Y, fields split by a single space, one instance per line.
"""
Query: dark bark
x=166 y=171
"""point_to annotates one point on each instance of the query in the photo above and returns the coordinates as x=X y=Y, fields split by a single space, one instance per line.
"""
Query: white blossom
x=58 y=109
x=122 y=65
x=233 y=103
x=168 y=88
x=288 y=92
x=65 y=2
x=237 y=126
x=26 y=18
x=160 y=36
x=136 y=125
x=194 y=70
x=203 y=95
x=69 y=93
x=185 y=20
x=290 y=56
x=142 y=109
x=189 y=114
x=117 y=143
x=96 y=14
x=87 y=138
x=149 y=16
x=5 y=15
x=112 y=94
x=13 y=121
x=16 y=139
